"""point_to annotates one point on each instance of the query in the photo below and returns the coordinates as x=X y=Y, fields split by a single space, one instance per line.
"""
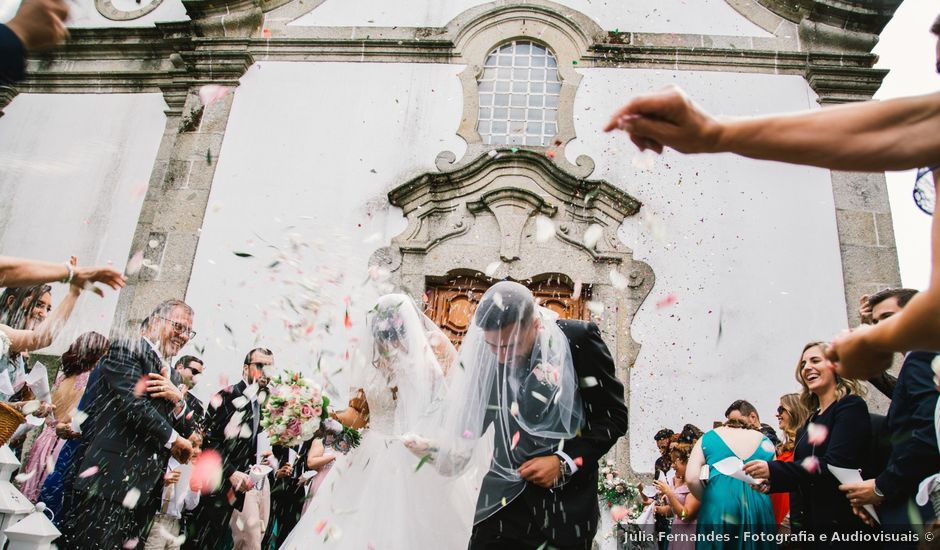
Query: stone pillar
x=866 y=236
x=172 y=214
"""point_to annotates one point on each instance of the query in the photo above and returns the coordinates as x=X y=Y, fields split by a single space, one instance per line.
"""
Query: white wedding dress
x=374 y=499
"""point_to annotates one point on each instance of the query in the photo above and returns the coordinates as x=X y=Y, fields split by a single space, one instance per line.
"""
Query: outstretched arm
x=15 y=272
x=873 y=136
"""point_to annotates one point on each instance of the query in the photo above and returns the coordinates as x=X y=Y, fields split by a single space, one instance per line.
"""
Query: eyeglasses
x=781 y=410
x=181 y=328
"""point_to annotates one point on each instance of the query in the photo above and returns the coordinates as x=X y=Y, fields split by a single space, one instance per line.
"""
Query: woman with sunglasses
x=791 y=414
x=837 y=433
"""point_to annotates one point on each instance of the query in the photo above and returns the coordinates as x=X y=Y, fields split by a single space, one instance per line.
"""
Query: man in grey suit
x=139 y=420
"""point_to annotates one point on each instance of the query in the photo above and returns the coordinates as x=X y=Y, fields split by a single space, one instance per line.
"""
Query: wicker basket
x=10 y=420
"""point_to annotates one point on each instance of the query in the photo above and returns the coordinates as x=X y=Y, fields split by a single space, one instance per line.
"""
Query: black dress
x=821 y=508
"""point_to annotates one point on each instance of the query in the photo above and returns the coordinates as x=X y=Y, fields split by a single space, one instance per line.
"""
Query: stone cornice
x=171 y=55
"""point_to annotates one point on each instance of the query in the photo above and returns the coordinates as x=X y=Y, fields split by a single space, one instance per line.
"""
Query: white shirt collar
x=154 y=348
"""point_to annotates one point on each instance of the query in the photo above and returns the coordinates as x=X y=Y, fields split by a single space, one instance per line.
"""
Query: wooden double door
x=452 y=302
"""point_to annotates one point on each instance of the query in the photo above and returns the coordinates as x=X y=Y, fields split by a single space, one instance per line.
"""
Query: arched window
x=519 y=93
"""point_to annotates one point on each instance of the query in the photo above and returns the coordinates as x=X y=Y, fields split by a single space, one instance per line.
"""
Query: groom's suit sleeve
x=602 y=397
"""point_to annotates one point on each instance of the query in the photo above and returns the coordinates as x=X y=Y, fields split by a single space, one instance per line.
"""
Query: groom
x=557 y=506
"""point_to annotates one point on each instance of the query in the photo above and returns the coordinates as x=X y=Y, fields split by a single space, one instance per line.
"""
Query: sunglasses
x=781 y=410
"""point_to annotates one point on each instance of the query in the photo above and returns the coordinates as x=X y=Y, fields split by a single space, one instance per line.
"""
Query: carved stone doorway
x=451 y=301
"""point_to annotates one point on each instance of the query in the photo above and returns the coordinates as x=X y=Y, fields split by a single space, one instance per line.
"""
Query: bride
x=381 y=496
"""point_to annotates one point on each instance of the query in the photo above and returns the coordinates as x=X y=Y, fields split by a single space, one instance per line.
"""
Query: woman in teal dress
x=733 y=514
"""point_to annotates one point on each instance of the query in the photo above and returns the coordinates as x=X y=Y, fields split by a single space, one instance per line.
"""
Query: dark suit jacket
x=914 y=453
x=12 y=57
x=821 y=506
x=128 y=435
x=195 y=414
x=571 y=509
x=238 y=453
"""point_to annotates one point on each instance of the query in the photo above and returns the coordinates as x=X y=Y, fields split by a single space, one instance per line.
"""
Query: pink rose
x=307 y=411
x=294 y=427
x=317 y=411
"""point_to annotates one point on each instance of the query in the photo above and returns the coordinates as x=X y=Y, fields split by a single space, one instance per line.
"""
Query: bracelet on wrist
x=71 y=275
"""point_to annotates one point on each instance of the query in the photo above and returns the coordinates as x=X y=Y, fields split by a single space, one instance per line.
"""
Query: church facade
x=280 y=162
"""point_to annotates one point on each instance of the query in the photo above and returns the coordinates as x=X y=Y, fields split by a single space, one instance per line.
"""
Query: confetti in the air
x=544 y=229
x=515 y=440
x=514 y=409
x=816 y=434
x=810 y=464
x=618 y=513
x=210 y=93
x=644 y=160
x=22 y=478
x=88 y=472
x=131 y=498
x=592 y=235
x=130 y=543
x=135 y=263
x=207 y=472
x=588 y=382
x=669 y=300
x=492 y=268
x=320 y=526
x=595 y=307
x=618 y=280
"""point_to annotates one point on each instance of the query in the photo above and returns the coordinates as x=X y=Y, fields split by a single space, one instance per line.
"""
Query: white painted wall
x=660 y=16
x=73 y=173
x=299 y=153
x=753 y=242
x=750 y=244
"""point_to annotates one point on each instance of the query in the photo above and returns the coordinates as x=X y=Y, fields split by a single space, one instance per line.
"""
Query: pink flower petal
x=210 y=93
x=669 y=300
x=207 y=472
x=618 y=513
x=515 y=440
x=810 y=464
x=135 y=263
x=89 y=472
x=320 y=526
x=817 y=434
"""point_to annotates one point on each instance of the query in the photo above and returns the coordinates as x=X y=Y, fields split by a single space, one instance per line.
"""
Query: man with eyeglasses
x=232 y=427
x=136 y=421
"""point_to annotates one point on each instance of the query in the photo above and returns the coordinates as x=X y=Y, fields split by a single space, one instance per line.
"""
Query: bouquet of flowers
x=340 y=438
x=294 y=410
x=617 y=491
